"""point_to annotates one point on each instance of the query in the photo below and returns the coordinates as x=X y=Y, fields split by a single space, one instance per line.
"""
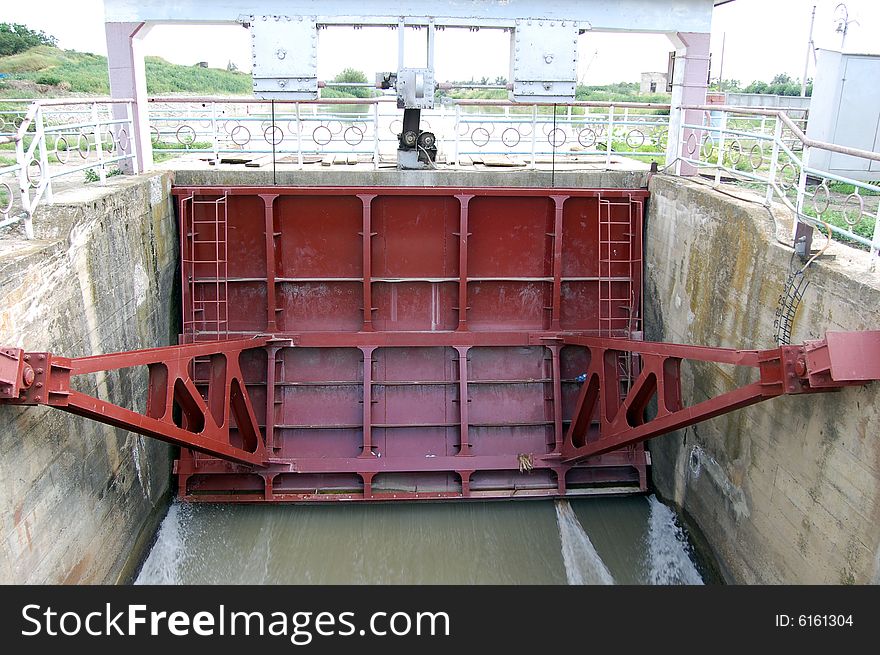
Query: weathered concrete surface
x=787 y=491
x=76 y=495
x=198 y=173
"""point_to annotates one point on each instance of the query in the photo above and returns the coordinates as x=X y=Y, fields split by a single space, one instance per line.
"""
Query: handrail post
x=534 y=135
x=375 y=136
x=875 y=242
x=299 y=143
x=40 y=135
x=774 y=162
x=719 y=162
x=99 y=146
x=215 y=147
x=132 y=142
x=457 y=137
x=24 y=188
x=610 y=140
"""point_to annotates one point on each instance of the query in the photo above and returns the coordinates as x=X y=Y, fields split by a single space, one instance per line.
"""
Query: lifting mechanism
x=543 y=63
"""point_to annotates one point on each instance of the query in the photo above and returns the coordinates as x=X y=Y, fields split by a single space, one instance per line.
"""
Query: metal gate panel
x=423 y=326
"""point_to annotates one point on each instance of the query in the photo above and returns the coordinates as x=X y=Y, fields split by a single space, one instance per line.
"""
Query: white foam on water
x=668 y=560
x=162 y=565
x=582 y=563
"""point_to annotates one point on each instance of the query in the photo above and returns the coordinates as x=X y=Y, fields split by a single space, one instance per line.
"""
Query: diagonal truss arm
x=607 y=418
x=201 y=423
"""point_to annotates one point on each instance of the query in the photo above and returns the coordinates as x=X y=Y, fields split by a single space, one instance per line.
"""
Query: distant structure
x=653 y=83
x=845 y=110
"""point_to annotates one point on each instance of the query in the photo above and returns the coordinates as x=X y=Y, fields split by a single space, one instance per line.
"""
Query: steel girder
x=176 y=411
x=606 y=419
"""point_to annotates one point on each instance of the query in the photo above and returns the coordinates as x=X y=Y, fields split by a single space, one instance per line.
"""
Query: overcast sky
x=763 y=38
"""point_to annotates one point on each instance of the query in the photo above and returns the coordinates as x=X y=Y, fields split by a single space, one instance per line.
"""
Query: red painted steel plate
x=425 y=323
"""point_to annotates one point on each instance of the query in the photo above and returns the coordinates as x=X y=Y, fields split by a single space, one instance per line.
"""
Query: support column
x=368 y=402
x=556 y=377
x=271 y=402
x=367 y=477
x=556 y=235
x=463 y=400
x=271 y=303
x=368 y=235
x=463 y=235
x=689 y=84
x=128 y=79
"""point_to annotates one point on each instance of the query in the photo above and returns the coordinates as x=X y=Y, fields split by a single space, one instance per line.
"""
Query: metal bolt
x=800 y=367
x=38 y=399
x=27 y=358
x=281 y=53
x=39 y=385
x=27 y=376
x=548 y=58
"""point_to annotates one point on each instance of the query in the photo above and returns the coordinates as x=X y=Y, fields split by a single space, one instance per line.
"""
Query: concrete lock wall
x=79 y=498
x=786 y=491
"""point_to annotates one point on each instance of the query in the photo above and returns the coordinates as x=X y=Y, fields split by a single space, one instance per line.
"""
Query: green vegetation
x=15 y=38
x=93 y=176
x=781 y=85
x=349 y=75
x=864 y=227
x=846 y=188
x=158 y=146
x=82 y=73
x=617 y=92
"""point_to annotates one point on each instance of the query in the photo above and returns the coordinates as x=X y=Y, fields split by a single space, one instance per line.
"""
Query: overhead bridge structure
x=381 y=343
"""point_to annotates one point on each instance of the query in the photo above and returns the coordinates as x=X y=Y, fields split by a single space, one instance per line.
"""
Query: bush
x=50 y=79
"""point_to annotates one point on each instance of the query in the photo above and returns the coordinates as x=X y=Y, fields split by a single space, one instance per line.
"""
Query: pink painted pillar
x=689 y=83
x=128 y=79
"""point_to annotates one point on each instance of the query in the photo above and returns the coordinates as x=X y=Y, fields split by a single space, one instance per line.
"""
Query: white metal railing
x=766 y=148
x=596 y=129
x=57 y=138
x=368 y=129
x=220 y=127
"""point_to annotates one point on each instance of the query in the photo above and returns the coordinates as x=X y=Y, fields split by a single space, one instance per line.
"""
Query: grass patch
x=846 y=188
x=92 y=175
x=864 y=228
x=159 y=146
x=86 y=73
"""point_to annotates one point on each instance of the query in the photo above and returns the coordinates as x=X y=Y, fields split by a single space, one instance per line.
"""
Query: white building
x=845 y=110
x=653 y=83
